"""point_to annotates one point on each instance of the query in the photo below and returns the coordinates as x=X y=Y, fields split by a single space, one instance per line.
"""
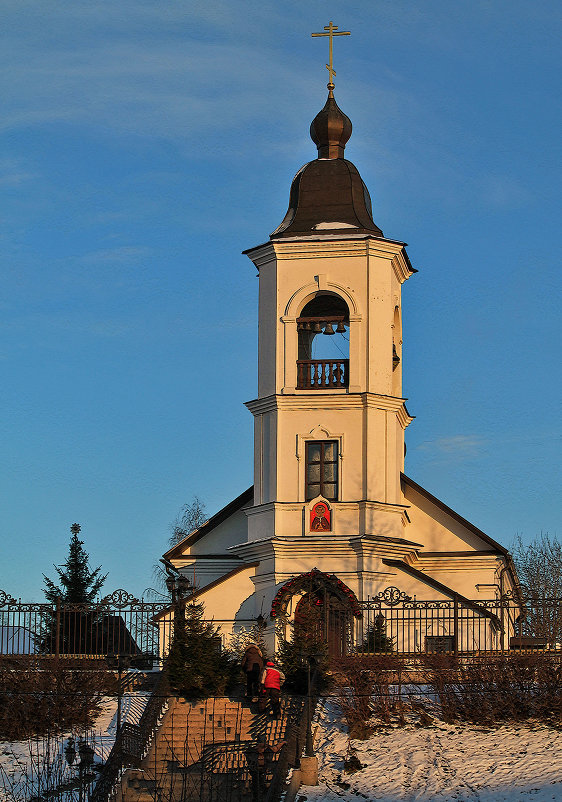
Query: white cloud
x=13 y=173
x=458 y=446
x=118 y=255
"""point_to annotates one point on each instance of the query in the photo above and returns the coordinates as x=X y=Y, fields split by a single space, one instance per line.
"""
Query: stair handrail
x=132 y=741
x=294 y=736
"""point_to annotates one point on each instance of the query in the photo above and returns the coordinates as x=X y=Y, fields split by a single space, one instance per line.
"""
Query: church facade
x=331 y=518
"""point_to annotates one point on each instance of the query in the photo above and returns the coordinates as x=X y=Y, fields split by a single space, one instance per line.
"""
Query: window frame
x=322 y=463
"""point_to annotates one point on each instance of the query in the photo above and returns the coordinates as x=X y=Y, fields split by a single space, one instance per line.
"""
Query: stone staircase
x=207 y=752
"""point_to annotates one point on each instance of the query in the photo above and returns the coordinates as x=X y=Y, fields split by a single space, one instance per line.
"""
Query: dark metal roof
x=509 y=564
x=330 y=130
x=327 y=196
x=209 y=586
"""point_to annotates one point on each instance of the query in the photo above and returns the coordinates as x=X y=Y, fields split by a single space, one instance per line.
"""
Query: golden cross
x=331 y=32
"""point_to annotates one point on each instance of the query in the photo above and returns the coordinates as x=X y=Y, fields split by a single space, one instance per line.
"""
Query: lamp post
x=178 y=586
x=86 y=754
x=311 y=661
x=309 y=762
x=309 y=745
x=120 y=663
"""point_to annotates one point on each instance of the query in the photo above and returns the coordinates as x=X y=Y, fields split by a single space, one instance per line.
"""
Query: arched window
x=323 y=343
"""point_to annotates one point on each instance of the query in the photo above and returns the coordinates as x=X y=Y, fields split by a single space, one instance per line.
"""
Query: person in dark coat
x=252 y=665
x=271 y=680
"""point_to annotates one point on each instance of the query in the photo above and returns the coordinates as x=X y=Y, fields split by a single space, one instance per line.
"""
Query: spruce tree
x=305 y=648
x=78 y=585
x=197 y=666
x=76 y=628
x=376 y=640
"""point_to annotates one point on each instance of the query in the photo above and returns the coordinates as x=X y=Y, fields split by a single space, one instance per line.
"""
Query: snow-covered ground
x=23 y=764
x=510 y=763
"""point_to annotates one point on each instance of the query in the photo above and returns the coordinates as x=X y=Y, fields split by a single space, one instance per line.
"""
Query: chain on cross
x=331 y=31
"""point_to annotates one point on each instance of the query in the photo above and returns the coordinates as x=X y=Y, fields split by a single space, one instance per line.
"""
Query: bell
x=341 y=327
x=316 y=328
x=329 y=329
x=395 y=358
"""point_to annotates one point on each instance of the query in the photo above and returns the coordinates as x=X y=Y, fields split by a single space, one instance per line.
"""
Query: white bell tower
x=329 y=419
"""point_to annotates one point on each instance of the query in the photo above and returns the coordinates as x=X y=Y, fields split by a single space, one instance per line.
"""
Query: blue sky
x=146 y=144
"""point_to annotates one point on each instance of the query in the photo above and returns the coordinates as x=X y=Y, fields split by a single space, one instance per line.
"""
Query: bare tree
x=539 y=567
x=190 y=517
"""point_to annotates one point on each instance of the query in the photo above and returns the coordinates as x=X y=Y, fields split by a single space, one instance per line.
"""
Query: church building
x=332 y=520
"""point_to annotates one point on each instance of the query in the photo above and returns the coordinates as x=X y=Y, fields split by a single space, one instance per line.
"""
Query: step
x=182 y=748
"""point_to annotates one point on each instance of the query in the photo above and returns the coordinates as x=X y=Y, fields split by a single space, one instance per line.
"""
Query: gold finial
x=331 y=32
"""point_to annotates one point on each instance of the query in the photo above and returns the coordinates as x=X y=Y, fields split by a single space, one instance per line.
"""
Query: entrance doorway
x=320 y=616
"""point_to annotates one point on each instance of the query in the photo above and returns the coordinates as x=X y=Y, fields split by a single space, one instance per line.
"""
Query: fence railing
x=119 y=624
x=140 y=632
x=395 y=622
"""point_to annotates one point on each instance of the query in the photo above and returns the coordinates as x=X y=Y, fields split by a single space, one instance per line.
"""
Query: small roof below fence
x=17 y=640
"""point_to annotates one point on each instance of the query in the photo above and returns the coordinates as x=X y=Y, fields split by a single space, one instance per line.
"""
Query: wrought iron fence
x=392 y=621
x=140 y=631
x=119 y=624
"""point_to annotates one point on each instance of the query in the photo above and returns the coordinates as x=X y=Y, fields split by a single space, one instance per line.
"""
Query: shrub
x=493 y=689
x=376 y=640
x=239 y=641
x=60 y=696
x=368 y=686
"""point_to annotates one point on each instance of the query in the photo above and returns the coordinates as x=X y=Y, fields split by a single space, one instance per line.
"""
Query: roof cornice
x=301 y=401
x=313 y=247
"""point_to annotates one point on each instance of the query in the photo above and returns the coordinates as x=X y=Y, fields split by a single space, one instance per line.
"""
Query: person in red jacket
x=271 y=680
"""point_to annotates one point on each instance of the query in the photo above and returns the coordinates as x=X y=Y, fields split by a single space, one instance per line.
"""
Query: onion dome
x=328 y=195
x=330 y=130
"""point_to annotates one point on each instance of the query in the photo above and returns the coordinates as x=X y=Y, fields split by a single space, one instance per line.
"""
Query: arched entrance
x=321 y=616
x=323 y=607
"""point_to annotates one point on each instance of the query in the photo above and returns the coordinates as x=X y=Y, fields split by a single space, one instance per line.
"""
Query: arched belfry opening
x=322 y=609
x=323 y=343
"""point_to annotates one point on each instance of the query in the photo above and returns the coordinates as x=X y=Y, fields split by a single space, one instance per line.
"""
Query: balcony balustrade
x=322 y=374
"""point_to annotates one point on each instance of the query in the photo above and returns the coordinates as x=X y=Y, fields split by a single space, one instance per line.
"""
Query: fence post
x=456 y=624
x=57 y=630
x=502 y=624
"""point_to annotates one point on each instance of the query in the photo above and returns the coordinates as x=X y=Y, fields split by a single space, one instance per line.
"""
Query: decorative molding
x=391 y=596
x=6 y=599
x=330 y=399
x=119 y=598
x=261 y=254
x=298 y=298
